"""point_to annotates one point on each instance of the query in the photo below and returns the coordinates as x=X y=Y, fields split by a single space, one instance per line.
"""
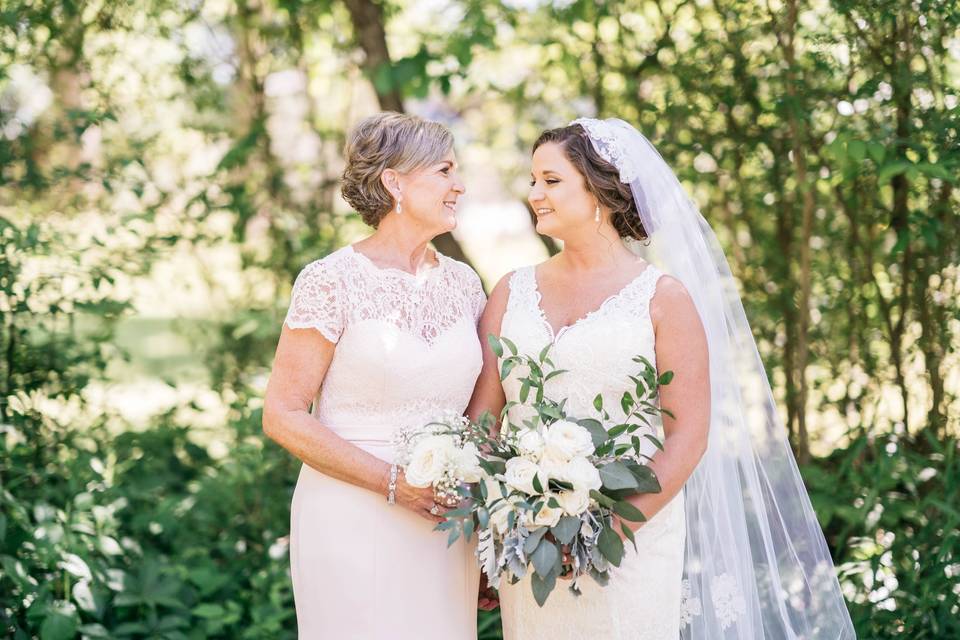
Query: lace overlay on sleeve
x=316 y=301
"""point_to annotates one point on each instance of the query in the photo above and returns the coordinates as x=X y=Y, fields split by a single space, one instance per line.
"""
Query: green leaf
x=626 y=403
x=890 y=170
x=616 y=475
x=533 y=540
x=611 y=546
x=544 y=351
x=524 y=390
x=665 y=378
x=60 y=623
x=209 y=611
x=629 y=512
x=536 y=483
x=627 y=531
x=598 y=402
x=565 y=530
x=510 y=345
x=646 y=479
x=542 y=587
x=507 y=367
x=545 y=557
x=495 y=346
x=602 y=499
x=554 y=373
x=597 y=433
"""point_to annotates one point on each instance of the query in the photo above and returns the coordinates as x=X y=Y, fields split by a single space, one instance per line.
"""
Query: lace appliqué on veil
x=728 y=602
x=610 y=147
x=727 y=599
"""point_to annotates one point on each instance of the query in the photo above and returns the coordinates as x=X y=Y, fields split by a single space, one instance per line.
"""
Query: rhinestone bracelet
x=392 y=487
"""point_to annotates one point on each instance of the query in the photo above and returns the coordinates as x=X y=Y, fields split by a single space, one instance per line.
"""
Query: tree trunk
x=366 y=16
x=368 y=26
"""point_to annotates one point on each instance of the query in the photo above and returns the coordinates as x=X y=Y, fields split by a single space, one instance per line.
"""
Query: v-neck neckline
x=556 y=334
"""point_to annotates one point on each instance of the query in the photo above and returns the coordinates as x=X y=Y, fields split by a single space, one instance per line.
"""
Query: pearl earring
x=399 y=206
x=596 y=214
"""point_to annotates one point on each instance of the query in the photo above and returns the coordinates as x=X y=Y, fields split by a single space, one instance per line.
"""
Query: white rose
x=467 y=463
x=547 y=516
x=574 y=503
x=428 y=460
x=519 y=474
x=565 y=440
x=581 y=473
x=530 y=443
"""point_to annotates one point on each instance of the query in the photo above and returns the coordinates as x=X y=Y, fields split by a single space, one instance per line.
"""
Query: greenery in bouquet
x=556 y=485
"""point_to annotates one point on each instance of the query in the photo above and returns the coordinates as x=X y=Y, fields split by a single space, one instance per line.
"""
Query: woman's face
x=558 y=194
x=429 y=195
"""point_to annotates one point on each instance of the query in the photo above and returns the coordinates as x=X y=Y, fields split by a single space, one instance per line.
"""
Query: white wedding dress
x=643 y=598
x=406 y=349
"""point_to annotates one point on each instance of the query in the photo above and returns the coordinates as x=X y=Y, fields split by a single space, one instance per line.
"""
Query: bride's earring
x=399 y=206
x=596 y=214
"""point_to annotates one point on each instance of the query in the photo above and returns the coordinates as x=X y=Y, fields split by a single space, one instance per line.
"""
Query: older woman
x=379 y=335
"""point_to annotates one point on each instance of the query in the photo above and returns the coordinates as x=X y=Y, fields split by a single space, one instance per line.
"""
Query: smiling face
x=558 y=194
x=429 y=194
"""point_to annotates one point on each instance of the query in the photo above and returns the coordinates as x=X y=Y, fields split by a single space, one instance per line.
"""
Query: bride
x=731 y=547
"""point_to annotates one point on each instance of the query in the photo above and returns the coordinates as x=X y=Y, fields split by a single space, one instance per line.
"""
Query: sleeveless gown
x=406 y=349
x=643 y=598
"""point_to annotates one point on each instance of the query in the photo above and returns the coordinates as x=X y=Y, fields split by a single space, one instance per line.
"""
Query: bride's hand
x=420 y=501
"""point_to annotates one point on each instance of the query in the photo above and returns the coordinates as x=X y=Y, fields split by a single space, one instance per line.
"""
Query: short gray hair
x=387 y=140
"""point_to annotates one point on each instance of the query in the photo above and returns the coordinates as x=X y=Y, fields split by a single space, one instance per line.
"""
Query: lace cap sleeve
x=316 y=301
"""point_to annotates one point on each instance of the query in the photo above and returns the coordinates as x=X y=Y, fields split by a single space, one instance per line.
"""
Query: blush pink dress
x=406 y=349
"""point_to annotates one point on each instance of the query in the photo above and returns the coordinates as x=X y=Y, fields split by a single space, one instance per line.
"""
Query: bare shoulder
x=497 y=303
x=672 y=300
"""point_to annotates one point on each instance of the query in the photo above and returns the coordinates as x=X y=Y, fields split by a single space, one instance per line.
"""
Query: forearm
x=317 y=446
x=672 y=466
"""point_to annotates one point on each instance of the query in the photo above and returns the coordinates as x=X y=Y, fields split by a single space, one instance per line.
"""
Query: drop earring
x=596 y=214
x=399 y=206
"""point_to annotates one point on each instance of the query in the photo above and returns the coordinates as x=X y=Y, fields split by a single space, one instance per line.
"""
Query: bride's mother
x=379 y=335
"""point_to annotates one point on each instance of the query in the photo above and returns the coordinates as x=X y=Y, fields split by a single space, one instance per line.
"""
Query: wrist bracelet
x=392 y=487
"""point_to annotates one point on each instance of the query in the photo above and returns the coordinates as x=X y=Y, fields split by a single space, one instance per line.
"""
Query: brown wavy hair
x=387 y=140
x=602 y=179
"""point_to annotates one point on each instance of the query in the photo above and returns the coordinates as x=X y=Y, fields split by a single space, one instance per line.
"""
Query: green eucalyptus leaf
x=545 y=557
x=495 y=345
x=611 y=546
x=616 y=475
x=565 y=530
x=533 y=540
x=627 y=511
x=542 y=587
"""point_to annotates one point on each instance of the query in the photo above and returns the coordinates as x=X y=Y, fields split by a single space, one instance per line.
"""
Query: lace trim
x=603 y=134
x=345 y=287
x=728 y=602
x=636 y=295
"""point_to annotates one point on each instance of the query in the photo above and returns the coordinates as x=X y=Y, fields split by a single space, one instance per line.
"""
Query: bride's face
x=558 y=194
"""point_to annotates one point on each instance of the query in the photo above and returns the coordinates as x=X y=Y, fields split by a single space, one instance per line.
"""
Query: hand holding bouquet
x=557 y=482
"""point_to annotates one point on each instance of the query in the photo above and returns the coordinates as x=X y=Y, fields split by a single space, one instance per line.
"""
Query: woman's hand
x=420 y=501
x=488 y=599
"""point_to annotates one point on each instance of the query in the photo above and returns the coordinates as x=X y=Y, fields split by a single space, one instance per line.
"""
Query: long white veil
x=757 y=565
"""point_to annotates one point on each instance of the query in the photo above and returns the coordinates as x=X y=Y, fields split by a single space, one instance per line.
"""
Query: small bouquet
x=442 y=453
x=553 y=485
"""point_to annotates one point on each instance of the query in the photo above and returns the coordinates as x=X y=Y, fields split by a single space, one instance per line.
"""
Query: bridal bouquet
x=442 y=453
x=557 y=485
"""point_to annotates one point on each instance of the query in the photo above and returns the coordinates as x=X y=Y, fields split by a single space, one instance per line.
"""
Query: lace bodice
x=643 y=600
x=596 y=351
x=406 y=345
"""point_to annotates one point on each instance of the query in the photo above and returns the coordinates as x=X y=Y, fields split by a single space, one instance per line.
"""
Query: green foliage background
x=150 y=143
